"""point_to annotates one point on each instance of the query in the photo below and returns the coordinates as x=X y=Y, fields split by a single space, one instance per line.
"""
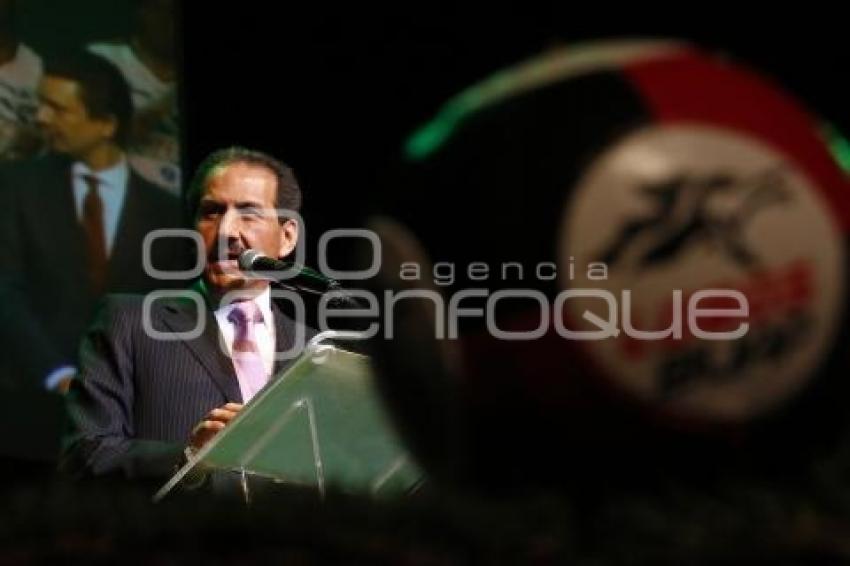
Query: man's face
x=237 y=212
x=65 y=120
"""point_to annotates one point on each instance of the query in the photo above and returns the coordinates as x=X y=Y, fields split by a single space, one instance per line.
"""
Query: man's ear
x=288 y=237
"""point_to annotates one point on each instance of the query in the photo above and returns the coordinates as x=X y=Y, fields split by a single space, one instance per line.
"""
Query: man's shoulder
x=40 y=168
x=140 y=319
x=170 y=300
x=154 y=197
x=33 y=183
x=150 y=189
x=119 y=306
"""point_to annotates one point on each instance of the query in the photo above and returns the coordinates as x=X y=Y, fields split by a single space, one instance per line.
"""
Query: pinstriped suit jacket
x=137 y=397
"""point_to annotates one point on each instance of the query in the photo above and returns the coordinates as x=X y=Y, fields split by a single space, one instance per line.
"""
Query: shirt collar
x=114 y=177
x=263 y=300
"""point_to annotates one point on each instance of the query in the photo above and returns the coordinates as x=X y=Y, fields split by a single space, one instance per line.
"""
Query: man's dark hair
x=288 y=191
x=103 y=89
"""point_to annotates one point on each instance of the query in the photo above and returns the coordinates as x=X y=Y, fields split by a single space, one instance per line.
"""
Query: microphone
x=303 y=279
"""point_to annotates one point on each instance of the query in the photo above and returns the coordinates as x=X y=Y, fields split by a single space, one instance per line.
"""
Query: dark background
x=335 y=94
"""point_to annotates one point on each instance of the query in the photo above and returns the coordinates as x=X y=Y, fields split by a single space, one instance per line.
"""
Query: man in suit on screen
x=73 y=222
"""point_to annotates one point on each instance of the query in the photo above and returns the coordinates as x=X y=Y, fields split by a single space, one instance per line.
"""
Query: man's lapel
x=181 y=315
x=285 y=339
x=126 y=253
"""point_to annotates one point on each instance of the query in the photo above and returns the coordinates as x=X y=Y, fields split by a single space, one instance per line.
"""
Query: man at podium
x=160 y=379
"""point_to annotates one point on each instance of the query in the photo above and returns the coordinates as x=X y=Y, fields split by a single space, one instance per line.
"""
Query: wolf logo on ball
x=677 y=226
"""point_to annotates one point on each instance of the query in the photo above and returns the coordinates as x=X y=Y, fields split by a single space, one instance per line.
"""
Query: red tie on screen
x=95 y=234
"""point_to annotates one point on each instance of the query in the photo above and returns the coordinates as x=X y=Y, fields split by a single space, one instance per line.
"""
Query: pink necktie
x=246 y=355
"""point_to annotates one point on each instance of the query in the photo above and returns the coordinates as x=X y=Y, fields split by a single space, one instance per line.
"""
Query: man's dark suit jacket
x=46 y=300
x=138 y=397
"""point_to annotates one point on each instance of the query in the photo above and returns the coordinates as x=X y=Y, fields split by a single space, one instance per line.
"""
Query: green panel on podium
x=320 y=424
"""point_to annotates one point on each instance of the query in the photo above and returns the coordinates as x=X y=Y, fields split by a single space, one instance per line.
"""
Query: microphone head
x=247 y=258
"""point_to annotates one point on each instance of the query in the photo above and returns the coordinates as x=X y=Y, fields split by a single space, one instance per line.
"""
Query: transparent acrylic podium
x=322 y=423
